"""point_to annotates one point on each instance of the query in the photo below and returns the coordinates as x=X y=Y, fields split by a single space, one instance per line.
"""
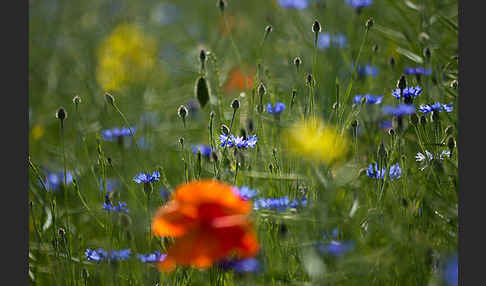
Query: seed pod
x=391 y=132
x=77 y=100
x=202 y=91
x=310 y=80
x=454 y=84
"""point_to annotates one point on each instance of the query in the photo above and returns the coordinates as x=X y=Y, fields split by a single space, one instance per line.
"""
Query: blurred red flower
x=238 y=80
x=209 y=221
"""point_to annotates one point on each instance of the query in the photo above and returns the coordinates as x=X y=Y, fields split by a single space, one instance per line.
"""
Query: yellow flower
x=126 y=56
x=37 y=132
x=317 y=141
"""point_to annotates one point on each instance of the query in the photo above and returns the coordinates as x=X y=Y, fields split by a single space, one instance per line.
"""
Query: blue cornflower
x=370 y=99
x=279 y=204
x=54 y=180
x=366 y=70
x=164 y=193
x=425 y=108
x=279 y=107
x=151 y=257
x=245 y=192
x=121 y=207
x=241 y=265
x=296 y=4
x=204 y=149
x=117 y=255
x=326 y=40
x=359 y=4
x=374 y=172
x=332 y=235
x=111 y=185
x=146 y=177
x=408 y=92
x=385 y=124
x=116 y=133
x=417 y=71
x=96 y=255
x=395 y=172
x=450 y=272
x=336 y=248
x=240 y=142
x=400 y=110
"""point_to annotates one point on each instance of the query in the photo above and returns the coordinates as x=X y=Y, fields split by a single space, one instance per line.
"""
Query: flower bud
x=250 y=125
x=77 y=100
x=268 y=30
x=449 y=130
x=451 y=144
x=202 y=56
x=316 y=27
x=391 y=132
x=221 y=5
x=382 y=153
x=109 y=98
x=310 y=80
x=375 y=48
x=454 y=84
x=61 y=114
x=423 y=120
x=235 y=104
x=297 y=62
x=181 y=141
x=369 y=23
x=392 y=62
x=414 y=118
x=427 y=53
x=202 y=91
x=261 y=89
x=224 y=129
x=402 y=82
x=182 y=111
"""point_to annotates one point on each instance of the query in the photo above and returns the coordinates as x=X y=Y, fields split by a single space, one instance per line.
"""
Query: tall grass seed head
x=317 y=141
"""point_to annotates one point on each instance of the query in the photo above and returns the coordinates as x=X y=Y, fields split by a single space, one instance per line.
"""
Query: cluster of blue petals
x=370 y=99
x=204 y=149
x=279 y=204
x=412 y=91
x=151 y=257
x=245 y=192
x=54 y=180
x=417 y=71
x=425 y=108
x=115 y=133
x=241 y=265
x=359 y=4
x=294 y=4
x=146 y=177
x=373 y=171
x=277 y=109
x=399 y=110
x=327 y=40
x=100 y=254
x=238 y=141
x=121 y=207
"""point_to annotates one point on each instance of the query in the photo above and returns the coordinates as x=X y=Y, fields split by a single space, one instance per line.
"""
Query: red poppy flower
x=209 y=221
x=238 y=81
